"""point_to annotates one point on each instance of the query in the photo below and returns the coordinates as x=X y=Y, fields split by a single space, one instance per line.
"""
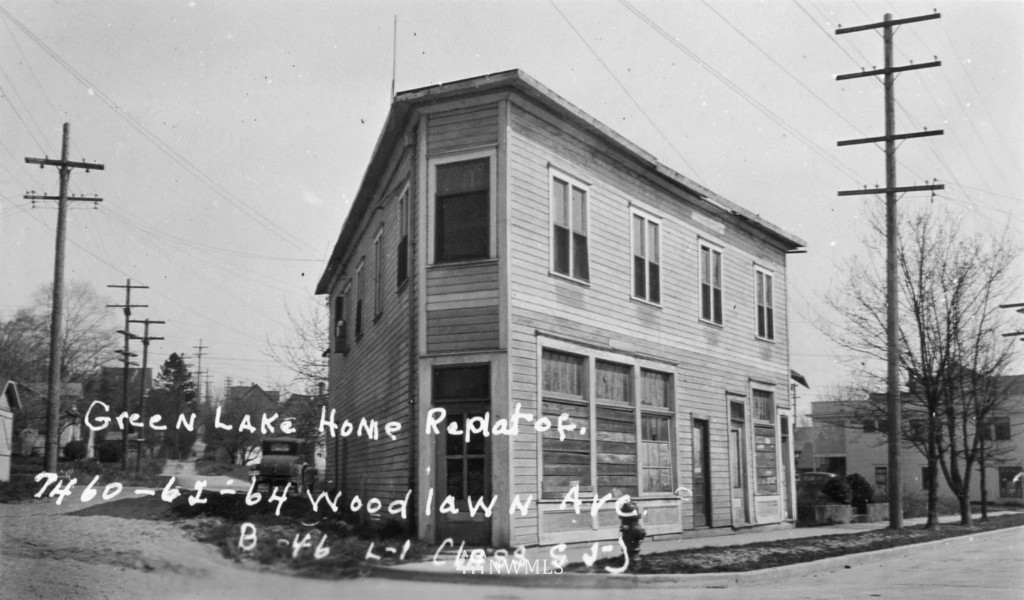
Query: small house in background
x=31 y=439
x=846 y=438
x=9 y=402
x=507 y=254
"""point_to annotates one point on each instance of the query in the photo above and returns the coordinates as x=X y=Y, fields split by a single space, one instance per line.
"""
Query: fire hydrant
x=632 y=532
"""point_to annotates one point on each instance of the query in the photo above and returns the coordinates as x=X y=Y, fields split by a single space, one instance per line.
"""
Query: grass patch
x=764 y=555
x=220 y=522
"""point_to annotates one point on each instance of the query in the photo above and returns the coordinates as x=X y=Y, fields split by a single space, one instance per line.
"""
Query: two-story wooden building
x=508 y=254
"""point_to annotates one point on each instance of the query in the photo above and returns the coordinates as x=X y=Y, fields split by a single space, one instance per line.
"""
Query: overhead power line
x=165 y=148
x=626 y=90
x=890 y=190
x=743 y=94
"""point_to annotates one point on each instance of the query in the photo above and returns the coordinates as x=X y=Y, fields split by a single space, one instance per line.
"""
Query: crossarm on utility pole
x=888 y=70
x=885 y=138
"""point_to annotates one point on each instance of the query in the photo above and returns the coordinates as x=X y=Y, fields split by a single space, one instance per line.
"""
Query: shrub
x=74 y=450
x=915 y=504
x=861 y=491
x=109 y=451
x=837 y=491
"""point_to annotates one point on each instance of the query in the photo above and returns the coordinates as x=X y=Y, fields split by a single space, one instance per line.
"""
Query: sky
x=235 y=134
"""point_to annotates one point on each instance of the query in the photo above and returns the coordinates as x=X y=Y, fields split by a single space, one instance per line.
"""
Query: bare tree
x=88 y=337
x=302 y=353
x=950 y=283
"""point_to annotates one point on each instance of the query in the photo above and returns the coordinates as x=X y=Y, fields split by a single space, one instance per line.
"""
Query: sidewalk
x=442 y=568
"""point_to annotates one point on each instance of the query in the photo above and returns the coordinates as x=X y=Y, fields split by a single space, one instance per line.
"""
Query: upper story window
x=765 y=305
x=646 y=244
x=359 y=299
x=710 y=284
x=462 y=210
x=340 y=329
x=378 y=274
x=403 y=237
x=569 y=249
x=995 y=428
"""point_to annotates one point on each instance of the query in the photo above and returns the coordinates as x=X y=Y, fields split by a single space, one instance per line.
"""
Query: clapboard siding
x=460 y=129
x=709 y=360
x=512 y=302
x=373 y=379
x=462 y=307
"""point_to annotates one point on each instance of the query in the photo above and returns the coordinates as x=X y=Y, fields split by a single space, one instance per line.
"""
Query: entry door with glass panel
x=701 y=475
x=737 y=453
x=462 y=465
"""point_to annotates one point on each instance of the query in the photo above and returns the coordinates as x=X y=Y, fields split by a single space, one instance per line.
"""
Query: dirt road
x=125 y=548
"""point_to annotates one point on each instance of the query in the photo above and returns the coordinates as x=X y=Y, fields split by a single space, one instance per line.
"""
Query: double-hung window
x=765 y=305
x=378 y=274
x=359 y=298
x=710 y=284
x=646 y=238
x=403 y=237
x=462 y=210
x=340 y=328
x=570 y=255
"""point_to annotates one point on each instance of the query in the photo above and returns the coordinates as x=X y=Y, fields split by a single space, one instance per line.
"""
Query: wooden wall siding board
x=462 y=307
x=708 y=361
x=372 y=380
x=466 y=128
x=483 y=275
x=465 y=299
x=679 y=280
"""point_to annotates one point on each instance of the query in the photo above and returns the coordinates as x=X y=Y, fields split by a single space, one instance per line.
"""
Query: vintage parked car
x=283 y=461
x=808 y=491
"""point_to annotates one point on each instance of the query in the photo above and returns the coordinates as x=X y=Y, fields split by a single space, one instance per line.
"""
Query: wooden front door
x=701 y=475
x=464 y=474
x=738 y=457
x=787 y=501
x=463 y=466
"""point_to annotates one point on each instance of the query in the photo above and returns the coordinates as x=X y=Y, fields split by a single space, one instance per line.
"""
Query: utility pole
x=127 y=307
x=888 y=73
x=146 y=338
x=199 y=370
x=53 y=390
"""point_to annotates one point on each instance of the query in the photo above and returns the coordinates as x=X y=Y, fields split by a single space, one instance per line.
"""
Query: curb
x=697 y=580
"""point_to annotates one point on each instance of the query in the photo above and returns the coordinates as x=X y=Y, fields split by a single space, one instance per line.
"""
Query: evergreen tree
x=174 y=394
